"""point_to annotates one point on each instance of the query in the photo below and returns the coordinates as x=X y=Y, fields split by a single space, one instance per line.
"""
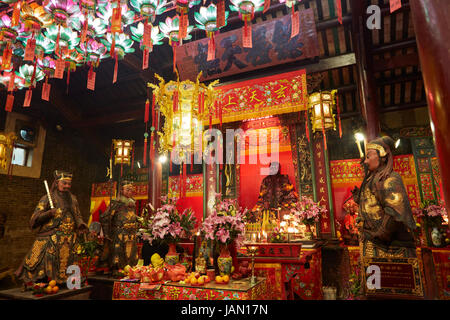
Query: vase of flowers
x=224 y=226
x=87 y=251
x=168 y=225
x=431 y=215
x=309 y=212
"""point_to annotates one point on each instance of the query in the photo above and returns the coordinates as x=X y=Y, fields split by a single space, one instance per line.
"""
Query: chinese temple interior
x=217 y=150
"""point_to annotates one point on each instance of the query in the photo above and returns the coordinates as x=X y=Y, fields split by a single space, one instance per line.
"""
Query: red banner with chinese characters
x=268 y=96
x=321 y=183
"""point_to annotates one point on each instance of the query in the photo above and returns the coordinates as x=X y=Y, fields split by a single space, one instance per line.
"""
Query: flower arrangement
x=168 y=224
x=432 y=211
x=225 y=224
x=308 y=211
x=89 y=245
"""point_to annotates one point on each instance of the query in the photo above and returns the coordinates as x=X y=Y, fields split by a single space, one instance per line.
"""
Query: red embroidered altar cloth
x=234 y=290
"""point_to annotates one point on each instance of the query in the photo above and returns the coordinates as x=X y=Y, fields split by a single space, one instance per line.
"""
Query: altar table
x=289 y=271
x=234 y=290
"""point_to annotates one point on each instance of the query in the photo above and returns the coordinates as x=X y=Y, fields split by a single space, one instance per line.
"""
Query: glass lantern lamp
x=321 y=106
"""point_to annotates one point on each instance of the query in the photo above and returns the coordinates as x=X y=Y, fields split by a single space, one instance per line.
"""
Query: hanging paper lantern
x=96 y=27
x=91 y=6
x=35 y=17
x=94 y=50
x=6 y=77
x=16 y=6
x=290 y=3
x=43 y=45
x=65 y=38
x=206 y=19
x=26 y=72
x=170 y=29
x=137 y=34
x=123 y=44
x=74 y=58
x=65 y=13
x=149 y=8
x=10 y=33
x=8 y=40
x=105 y=13
x=321 y=106
x=247 y=8
x=47 y=65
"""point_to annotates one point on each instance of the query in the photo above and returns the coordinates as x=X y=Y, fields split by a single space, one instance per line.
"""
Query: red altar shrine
x=234 y=290
x=288 y=269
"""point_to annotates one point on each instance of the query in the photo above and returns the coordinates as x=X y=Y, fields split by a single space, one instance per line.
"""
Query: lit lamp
x=359 y=137
x=124 y=152
x=321 y=106
x=6 y=144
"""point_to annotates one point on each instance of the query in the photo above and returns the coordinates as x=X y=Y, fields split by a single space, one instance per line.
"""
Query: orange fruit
x=201 y=281
x=52 y=283
x=194 y=281
x=187 y=280
x=55 y=289
x=219 y=279
x=48 y=290
x=226 y=278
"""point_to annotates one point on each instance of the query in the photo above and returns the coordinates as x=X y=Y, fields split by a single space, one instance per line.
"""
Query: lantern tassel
x=144 y=160
x=174 y=59
x=147 y=107
x=152 y=157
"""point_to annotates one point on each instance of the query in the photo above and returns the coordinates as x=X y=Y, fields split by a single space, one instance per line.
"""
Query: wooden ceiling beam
x=111 y=119
x=401 y=61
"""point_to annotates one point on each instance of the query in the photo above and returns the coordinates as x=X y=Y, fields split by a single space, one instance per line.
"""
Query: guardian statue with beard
x=120 y=225
x=385 y=212
x=57 y=230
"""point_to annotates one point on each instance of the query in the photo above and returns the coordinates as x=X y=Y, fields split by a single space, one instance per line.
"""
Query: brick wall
x=18 y=195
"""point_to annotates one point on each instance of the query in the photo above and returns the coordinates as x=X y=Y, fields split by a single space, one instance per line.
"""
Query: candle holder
x=252 y=250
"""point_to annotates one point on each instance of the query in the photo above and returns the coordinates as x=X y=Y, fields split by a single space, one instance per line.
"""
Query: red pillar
x=432 y=32
x=366 y=81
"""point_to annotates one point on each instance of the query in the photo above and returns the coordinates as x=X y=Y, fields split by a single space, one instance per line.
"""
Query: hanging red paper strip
x=6 y=58
x=182 y=33
x=115 y=69
x=147 y=37
x=27 y=101
x=145 y=56
x=9 y=102
x=116 y=20
x=184 y=178
x=16 y=14
x=220 y=13
x=395 y=5
x=46 y=91
x=59 y=69
x=339 y=10
x=30 y=49
x=11 y=82
x=91 y=80
x=247 y=36
x=295 y=18
x=266 y=5
x=211 y=48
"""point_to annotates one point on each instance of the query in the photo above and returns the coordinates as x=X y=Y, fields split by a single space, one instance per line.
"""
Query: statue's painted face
x=64 y=185
x=372 y=160
x=127 y=191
